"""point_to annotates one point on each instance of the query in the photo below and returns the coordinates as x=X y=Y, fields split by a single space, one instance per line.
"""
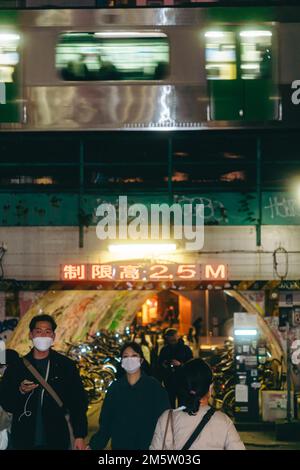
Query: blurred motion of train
x=167 y=68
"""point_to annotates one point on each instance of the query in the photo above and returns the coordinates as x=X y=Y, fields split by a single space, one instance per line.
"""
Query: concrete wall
x=35 y=253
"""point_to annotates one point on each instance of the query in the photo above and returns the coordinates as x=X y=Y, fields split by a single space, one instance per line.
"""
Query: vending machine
x=249 y=354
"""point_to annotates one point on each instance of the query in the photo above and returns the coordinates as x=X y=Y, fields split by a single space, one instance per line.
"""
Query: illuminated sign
x=74 y=272
x=215 y=272
x=143 y=272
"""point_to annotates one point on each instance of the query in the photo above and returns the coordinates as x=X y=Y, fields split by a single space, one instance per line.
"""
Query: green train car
x=149 y=69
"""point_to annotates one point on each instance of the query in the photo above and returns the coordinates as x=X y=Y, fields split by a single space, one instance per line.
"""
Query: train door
x=256 y=75
x=10 y=103
x=225 y=91
x=240 y=72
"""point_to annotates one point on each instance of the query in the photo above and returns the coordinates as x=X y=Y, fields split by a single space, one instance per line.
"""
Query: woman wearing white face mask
x=131 y=407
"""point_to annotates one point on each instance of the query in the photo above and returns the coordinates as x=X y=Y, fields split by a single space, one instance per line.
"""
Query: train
x=149 y=68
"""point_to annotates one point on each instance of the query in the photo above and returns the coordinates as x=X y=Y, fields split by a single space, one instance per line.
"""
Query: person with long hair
x=132 y=406
x=195 y=425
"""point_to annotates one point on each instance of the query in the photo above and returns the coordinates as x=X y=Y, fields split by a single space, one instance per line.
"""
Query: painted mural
x=79 y=313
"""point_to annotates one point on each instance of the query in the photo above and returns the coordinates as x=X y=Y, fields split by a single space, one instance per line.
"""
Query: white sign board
x=245 y=320
x=241 y=393
x=295 y=352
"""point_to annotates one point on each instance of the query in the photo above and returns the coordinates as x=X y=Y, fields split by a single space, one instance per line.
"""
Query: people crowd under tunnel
x=43 y=403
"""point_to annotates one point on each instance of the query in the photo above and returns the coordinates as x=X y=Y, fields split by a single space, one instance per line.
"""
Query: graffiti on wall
x=282 y=207
x=221 y=208
x=7 y=326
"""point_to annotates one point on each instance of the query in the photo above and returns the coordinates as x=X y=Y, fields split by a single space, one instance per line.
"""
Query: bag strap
x=170 y=419
x=167 y=428
x=53 y=394
x=172 y=429
x=199 y=428
x=43 y=382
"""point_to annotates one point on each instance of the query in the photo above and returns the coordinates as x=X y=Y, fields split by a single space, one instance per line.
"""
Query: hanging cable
x=281 y=251
x=3 y=250
x=26 y=412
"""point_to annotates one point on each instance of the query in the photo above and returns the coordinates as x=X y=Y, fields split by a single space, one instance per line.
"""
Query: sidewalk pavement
x=253 y=440
x=266 y=440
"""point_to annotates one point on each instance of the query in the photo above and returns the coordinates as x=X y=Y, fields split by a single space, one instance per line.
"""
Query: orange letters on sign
x=215 y=271
x=74 y=272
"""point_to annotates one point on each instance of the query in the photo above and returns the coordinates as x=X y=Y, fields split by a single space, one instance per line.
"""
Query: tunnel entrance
x=82 y=312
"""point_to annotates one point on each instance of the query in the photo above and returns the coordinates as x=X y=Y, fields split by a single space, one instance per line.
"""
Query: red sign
x=74 y=272
x=143 y=272
x=213 y=272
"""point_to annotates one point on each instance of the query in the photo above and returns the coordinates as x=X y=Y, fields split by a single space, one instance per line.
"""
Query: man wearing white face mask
x=39 y=419
x=132 y=406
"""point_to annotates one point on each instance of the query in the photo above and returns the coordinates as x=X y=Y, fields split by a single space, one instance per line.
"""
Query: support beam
x=81 y=192
x=258 y=192
x=170 y=169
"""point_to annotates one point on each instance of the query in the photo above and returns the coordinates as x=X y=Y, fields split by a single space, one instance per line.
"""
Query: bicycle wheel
x=229 y=402
x=104 y=379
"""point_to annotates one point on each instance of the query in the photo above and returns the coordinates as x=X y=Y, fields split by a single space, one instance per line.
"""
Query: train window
x=220 y=54
x=10 y=91
x=256 y=54
x=113 y=56
x=9 y=56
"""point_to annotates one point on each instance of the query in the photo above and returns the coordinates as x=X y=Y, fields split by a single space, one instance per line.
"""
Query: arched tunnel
x=82 y=312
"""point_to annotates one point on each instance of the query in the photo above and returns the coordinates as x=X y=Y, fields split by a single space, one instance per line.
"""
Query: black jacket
x=129 y=414
x=65 y=380
x=181 y=352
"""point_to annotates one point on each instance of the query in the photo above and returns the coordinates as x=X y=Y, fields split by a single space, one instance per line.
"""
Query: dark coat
x=129 y=414
x=65 y=380
x=180 y=352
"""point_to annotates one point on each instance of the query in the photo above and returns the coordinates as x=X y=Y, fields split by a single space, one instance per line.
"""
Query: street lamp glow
x=141 y=250
x=245 y=332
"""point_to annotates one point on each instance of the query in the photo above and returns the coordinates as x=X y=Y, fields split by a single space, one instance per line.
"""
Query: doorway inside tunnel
x=211 y=312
